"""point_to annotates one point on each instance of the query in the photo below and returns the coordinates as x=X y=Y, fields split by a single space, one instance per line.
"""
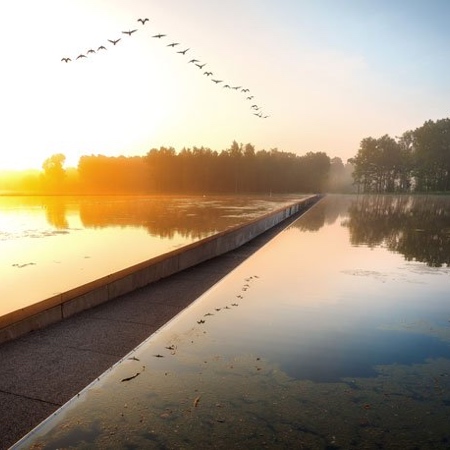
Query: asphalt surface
x=41 y=371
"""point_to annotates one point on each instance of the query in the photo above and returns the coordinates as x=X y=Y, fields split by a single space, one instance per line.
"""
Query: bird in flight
x=257 y=111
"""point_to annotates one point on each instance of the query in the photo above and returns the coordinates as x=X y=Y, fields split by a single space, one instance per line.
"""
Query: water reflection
x=326 y=213
x=165 y=216
x=418 y=227
x=162 y=216
x=312 y=342
x=358 y=355
x=55 y=212
x=74 y=240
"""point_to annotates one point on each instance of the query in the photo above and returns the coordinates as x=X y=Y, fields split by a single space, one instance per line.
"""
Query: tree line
x=418 y=161
x=237 y=170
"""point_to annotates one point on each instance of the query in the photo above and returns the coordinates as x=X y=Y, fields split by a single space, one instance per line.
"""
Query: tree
x=54 y=172
x=316 y=168
x=378 y=164
x=432 y=155
x=236 y=152
x=162 y=169
x=406 y=170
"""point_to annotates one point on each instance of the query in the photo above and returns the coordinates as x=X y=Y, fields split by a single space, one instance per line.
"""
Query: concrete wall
x=68 y=303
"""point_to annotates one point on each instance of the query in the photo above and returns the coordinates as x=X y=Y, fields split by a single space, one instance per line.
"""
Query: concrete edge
x=89 y=295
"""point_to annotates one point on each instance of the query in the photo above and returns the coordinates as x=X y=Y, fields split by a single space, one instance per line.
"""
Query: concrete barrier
x=94 y=293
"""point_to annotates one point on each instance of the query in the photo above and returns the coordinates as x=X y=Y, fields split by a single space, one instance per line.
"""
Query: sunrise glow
x=326 y=75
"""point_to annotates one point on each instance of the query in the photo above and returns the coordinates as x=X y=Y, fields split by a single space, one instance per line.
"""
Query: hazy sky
x=327 y=72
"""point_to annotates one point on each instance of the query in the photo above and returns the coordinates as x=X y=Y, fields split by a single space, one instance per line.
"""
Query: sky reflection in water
x=320 y=339
x=324 y=308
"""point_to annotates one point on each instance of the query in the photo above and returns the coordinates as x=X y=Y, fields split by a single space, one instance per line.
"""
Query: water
x=336 y=334
x=49 y=245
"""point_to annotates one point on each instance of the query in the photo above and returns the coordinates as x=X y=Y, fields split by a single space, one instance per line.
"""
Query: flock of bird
x=255 y=108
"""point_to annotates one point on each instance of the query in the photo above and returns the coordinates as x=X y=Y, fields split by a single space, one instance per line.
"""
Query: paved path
x=41 y=371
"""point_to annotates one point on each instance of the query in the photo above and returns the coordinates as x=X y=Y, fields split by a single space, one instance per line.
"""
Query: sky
x=327 y=73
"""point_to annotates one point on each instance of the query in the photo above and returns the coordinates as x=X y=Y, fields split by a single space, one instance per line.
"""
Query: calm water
x=49 y=245
x=336 y=334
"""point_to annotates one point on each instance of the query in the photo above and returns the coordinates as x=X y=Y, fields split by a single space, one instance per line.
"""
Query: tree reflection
x=315 y=219
x=416 y=227
x=189 y=217
x=327 y=211
x=55 y=212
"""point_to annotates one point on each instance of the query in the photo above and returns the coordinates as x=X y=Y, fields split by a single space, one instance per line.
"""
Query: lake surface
x=335 y=335
x=49 y=245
